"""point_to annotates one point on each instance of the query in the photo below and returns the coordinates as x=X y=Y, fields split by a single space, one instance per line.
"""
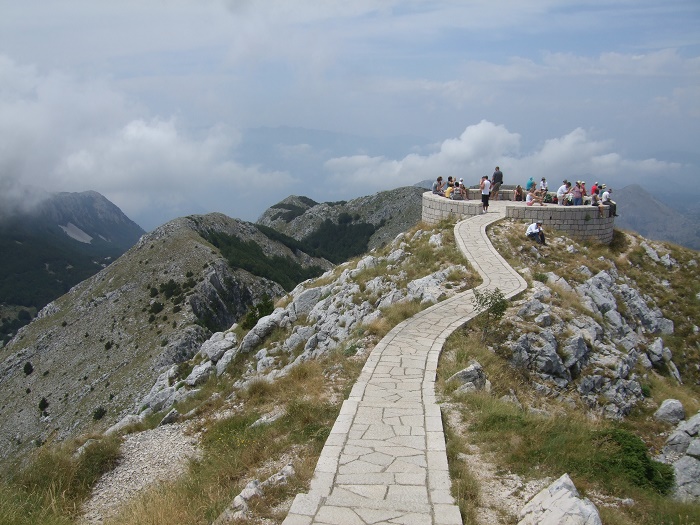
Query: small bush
x=43 y=404
x=99 y=413
x=627 y=458
x=28 y=368
x=491 y=303
x=156 y=307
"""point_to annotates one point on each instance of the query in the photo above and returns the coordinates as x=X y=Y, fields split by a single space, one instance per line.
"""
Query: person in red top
x=594 y=187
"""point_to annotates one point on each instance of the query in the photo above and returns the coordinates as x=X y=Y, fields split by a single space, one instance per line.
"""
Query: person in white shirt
x=543 y=185
x=607 y=201
x=562 y=192
x=485 y=193
x=535 y=232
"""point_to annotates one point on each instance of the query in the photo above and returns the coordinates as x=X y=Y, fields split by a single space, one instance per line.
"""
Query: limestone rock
x=670 y=411
x=687 y=473
x=559 y=504
x=472 y=378
x=214 y=349
x=170 y=417
x=200 y=373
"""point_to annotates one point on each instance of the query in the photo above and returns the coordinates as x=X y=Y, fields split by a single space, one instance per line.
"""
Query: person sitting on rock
x=536 y=233
x=533 y=197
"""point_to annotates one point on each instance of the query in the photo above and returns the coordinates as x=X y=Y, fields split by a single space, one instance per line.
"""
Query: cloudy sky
x=188 y=106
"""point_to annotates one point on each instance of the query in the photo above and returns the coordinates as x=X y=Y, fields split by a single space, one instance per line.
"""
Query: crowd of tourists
x=568 y=194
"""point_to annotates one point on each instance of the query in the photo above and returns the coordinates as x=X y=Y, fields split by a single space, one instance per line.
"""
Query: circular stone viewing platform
x=580 y=222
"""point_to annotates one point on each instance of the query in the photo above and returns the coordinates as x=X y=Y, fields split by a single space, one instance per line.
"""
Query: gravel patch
x=148 y=457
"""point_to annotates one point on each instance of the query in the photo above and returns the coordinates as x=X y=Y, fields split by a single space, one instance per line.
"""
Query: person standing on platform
x=496 y=181
x=485 y=193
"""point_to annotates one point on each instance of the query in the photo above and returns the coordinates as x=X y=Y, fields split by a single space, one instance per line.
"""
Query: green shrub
x=156 y=307
x=613 y=457
x=492 y=304
x=626 y=457
x=261 y=309
x=28 y=368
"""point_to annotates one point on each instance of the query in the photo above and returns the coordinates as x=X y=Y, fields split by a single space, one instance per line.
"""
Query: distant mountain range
x=59 y=242
x=644 y=213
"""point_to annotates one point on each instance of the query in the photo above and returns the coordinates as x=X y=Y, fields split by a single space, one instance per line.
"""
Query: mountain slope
x=59 y=242
x=365 y=223
x=640 y=211
x=92 y=353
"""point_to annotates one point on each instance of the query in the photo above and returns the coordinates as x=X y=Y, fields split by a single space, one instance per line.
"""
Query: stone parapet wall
x=436 y=208
x=580 y=222
x=503 y=195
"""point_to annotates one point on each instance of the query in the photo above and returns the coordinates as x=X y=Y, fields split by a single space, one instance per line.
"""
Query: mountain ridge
x=54 y=244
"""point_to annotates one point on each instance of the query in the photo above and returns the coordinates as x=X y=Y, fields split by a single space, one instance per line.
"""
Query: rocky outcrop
x=670 y=411
x=238 y=509
x=580 y=354
x=316 y=320
x=471 y=379
x=682 y=450
x=559 y=504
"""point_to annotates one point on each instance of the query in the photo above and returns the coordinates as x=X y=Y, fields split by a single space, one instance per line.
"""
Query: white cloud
x=153 y=166
x=64 y=135
x=483 y=146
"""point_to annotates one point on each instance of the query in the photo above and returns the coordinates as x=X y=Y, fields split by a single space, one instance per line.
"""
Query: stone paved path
x=385 y=461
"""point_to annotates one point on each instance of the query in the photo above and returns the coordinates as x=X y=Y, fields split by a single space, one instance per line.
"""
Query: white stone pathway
x=385 y=460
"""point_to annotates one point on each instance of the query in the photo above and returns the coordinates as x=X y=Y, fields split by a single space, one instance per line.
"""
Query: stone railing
x=581 y=222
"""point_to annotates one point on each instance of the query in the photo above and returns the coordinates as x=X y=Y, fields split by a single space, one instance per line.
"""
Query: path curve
x=385 y=461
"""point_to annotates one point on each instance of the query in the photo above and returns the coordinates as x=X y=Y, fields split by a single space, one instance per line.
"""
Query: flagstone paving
x=385 y=460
